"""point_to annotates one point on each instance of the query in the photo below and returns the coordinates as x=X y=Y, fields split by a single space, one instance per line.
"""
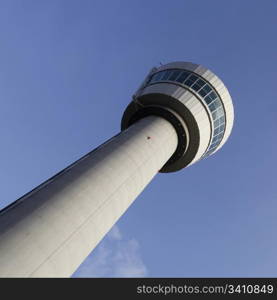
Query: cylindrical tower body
x=181 y=113
x=52 y=231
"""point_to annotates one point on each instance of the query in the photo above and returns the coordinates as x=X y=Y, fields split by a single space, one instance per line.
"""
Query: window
x=166 y=75
x=201 y=82
x=193 y=77
x=210 y=97
x=214 y=115
x=182 y=77
x=213 y=145
x=198 y=84
x=156 y=77
x=196 y=87
x=216 y=123
x=220 y=136
x=212 y=106
x=202 y=93
x=174 y=75
x=217 y=103
x=189 y=82
x=208 y=100
x=214 y=139
x=222 y=120
x=159 y=75
x=216 y=131
x=206 y=88
x=220 y=110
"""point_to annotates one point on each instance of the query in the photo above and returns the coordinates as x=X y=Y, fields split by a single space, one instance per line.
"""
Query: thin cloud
x=127 y=260
x=114 y=233
x=114 y=257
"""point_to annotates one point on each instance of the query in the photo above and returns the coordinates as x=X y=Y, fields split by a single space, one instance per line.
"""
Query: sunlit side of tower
x=181 y=113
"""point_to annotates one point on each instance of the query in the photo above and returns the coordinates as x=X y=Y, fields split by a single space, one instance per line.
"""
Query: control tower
x=181 y=113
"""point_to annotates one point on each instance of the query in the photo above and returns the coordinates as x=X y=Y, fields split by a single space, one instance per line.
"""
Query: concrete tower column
x=181 y=113
x=54 y=228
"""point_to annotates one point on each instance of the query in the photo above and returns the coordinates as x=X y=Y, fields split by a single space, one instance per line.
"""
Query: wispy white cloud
x=114 y=233
x=114 y=257
x=127 y=260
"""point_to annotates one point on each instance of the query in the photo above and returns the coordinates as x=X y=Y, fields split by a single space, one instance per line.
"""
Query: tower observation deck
x=181 y=113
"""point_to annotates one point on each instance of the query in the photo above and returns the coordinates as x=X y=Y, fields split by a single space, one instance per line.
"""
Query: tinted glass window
x=220 y=136
x=193 y=77
x=222 y=119
x=217 y=103
x=201 y=82
x=206 y=88
x=189 y=82
x=198 y=84
x=202 y=93
x=182 y=77
x=208 y=99
x=158 y=76
x=214 y=139
x=166 y=75
x=216 y=123
x=216 y=131
x=212 y=106
x=220 y=111
x=196 y=87
x=174 y=75
x=213 y=145
x=214 y=115
x=212 y=95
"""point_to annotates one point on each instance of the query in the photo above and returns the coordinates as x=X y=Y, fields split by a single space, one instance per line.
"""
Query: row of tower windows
x=206 y=92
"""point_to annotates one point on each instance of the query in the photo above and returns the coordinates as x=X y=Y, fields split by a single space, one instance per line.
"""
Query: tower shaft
x=55 y=227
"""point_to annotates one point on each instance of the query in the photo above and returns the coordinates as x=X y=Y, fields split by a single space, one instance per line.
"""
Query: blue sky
x=67 y=71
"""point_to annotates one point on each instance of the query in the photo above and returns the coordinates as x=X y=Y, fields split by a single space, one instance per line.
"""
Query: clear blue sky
x=67 y=71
